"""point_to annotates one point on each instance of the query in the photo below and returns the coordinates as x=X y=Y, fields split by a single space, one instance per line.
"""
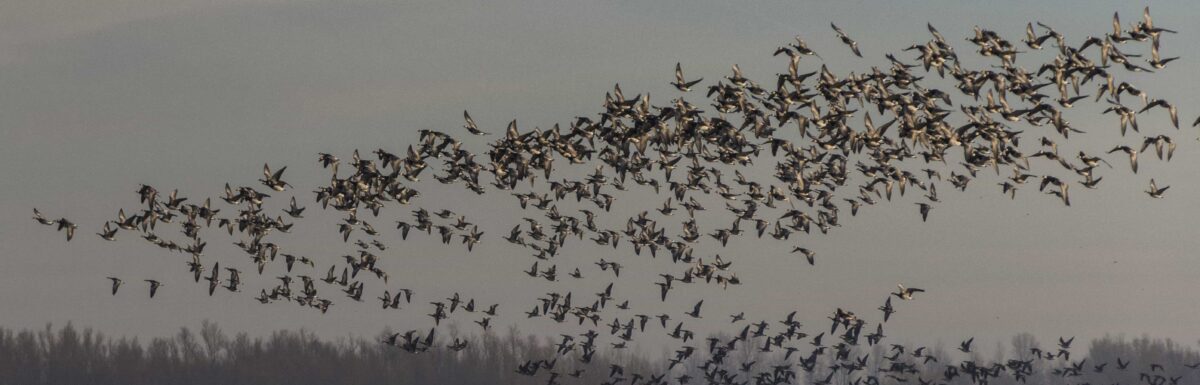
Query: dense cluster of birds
x=804 y=122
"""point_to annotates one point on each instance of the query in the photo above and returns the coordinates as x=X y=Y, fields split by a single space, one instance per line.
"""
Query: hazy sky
x=98 y=96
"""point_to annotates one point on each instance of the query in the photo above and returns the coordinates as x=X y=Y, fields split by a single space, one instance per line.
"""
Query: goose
x=214 y=278
x=965 y=346
x=472 y=238
x=37 y=216
x=1157 y=62
x=1034 y=41
x=841 y=317
x=1092 y=161
x=808 y=254
x=667 y=209
x=70 y=227
x=274 y=180
x=1008 y=188
x=195 y=268
x=737 y=78
x=154 y=285
x=293 y=210
x=924 y=208
x=327 y=160
x=1155 y=191
x=1159 y=142
x=1147 y=26
x=846 y=40
x=147 y=194
x=108 y=233
x=1132 y=156
x=887 y=309
x=386 y=299
x=470 y=125
x=906 y=293
x=330 y=276
x=408 y=293
x=1173 y=113
x=681 y=84
x=664 y=287
x=1065 y=343
x=116 y=284
x=404 y=227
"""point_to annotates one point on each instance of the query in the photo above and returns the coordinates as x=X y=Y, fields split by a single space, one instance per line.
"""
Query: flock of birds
x=804 y=122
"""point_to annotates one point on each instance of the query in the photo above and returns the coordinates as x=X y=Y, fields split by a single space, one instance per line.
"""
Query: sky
x=99 y=96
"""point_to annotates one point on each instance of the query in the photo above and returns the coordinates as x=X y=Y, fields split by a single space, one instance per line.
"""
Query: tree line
x=70 y=355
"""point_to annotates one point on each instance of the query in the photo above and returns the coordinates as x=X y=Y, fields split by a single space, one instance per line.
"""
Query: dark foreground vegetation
x=69 y=355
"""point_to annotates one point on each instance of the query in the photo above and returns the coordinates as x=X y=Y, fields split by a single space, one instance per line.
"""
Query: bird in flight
x=116 y=284
x=154 y=285
x=846 y=40
x=470 y=125
x=1155 y=191
x=680 y=83
x=906 y=293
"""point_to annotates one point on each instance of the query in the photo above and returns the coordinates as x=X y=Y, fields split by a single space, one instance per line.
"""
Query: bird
x=470 y=125
x=681 y=84
x=274 y=180
x=887 y=309
x=116 y=284
x=1133 y=164
x=846 y=40
x=213 y=278
x=924 y=208
x=695 y=313
x=809 y=255
x=1032 y=40
x=1163 y=104
x=154 y=285
x=1065 y=343
x=327 y=159
x=64 y=224
x=906 y=293
x=294 y=210
x=37 y=216
x=108 y=233
x=1159 y=142
x=965 y=346
x=1155 y=191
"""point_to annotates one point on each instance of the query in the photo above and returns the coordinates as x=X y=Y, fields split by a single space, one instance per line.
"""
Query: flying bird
x=116 y=284
x=470 y=125
x=680 y=83
x=154 y=285
x=846 y=39
x=906 y=293
x=1155 y=191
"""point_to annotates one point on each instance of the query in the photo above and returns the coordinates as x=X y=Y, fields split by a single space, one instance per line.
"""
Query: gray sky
x=98 y=96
